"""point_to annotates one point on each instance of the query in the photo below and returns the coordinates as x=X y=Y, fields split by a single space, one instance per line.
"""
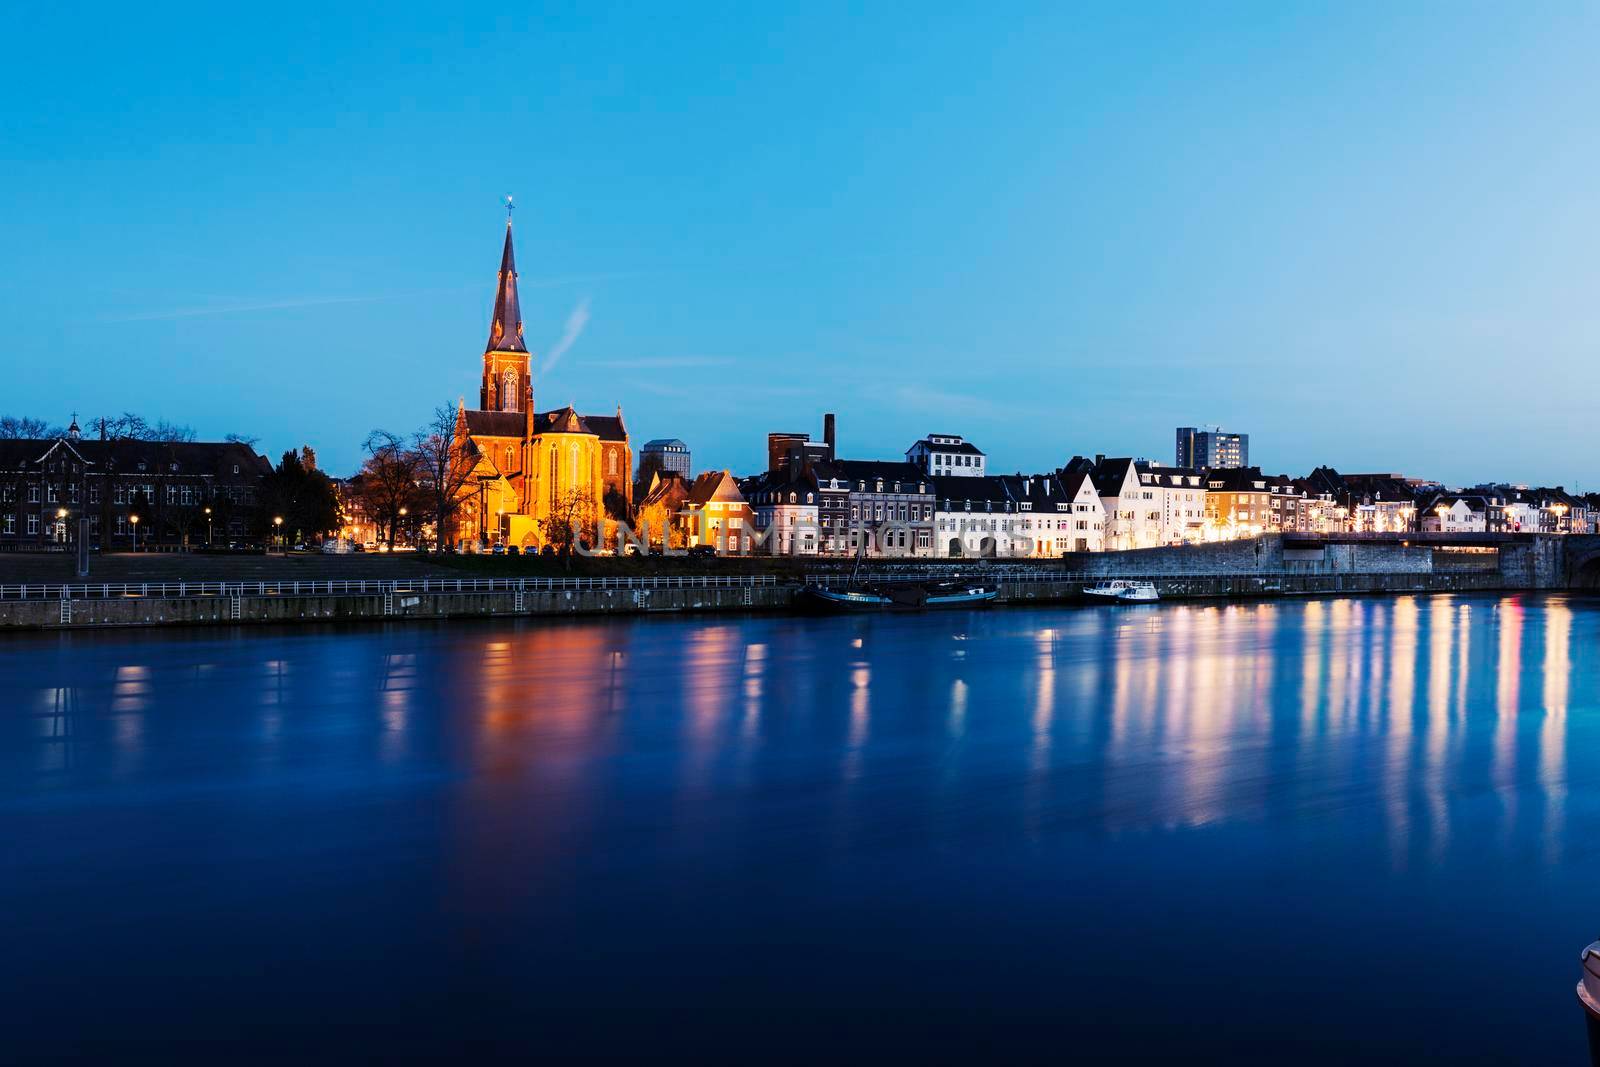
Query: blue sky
x=1364 y=233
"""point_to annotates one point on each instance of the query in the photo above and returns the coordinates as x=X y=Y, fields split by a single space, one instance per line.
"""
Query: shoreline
x=398 y=600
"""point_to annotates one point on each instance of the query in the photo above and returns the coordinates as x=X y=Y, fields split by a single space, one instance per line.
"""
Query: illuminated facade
x=527 y=466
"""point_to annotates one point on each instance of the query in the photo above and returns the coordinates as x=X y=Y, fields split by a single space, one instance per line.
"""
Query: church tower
x=507 y=385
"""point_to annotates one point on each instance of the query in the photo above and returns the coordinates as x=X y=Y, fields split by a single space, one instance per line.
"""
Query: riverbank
x=97 y=605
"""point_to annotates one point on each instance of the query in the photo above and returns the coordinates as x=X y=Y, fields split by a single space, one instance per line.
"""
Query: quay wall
x=375 y=607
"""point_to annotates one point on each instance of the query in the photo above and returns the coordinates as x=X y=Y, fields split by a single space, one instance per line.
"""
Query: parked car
x=498 y=550
x=702 y=551
x=513 y=550
x=548 y=550
x=358 y=548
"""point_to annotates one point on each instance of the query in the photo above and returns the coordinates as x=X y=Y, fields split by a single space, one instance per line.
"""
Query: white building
x=1056 y=514
x=1455 y=513
x=975 y=517
x=1181 y=492
x=1136 y=513
x=947 y=455
x=786 y=518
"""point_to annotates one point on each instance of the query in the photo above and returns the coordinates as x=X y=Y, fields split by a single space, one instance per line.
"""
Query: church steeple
x=507 y=381
x=505 y=330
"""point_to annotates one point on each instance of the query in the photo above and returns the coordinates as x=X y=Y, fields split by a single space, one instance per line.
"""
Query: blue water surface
x=1329 y=831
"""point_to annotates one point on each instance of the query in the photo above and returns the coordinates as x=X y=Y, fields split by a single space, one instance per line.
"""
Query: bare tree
x=571 y=518
x=389 y=490
x=443 y=469
x=25 y=427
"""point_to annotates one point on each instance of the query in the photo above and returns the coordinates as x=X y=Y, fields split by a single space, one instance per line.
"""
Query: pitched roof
x=714 y=485
x=973 y=493
x=870 y=470
x=125 y=456
x=964 y=446
x=495 y=423
x=505 y=328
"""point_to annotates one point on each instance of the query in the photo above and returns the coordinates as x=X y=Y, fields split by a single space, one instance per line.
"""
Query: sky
x=1362 y=233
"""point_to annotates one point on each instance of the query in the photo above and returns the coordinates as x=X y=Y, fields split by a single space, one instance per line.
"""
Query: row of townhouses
x=940 y=502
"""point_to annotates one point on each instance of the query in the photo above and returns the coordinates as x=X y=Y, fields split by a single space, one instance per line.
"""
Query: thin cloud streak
x=576 y=321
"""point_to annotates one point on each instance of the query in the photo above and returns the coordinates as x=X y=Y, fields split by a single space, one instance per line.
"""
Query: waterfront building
x=784 y=507
x=1458 y=513
x=1181 y=493
x=1145 y=504
x=719 y=513
x=947 y=455
x=891 y=502
x=975 y=517
x=833 y=510
x=661 y=454
x=1211 y=448
x=166 y=492
x=528 y=466
x=1132 y=514
x=1243 y=502
x=658 y=518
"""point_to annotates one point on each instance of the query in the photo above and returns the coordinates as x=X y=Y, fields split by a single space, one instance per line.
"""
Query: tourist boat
x=897 y=596
x=1125 y=591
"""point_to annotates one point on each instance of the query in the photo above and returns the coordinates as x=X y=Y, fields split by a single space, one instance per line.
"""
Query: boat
x=1125 y=591
x=897 y=596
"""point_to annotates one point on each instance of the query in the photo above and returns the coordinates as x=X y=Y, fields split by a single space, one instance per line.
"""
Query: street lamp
x=403 y=511
x=208 y=527
x=277 y=522
x=135 y=520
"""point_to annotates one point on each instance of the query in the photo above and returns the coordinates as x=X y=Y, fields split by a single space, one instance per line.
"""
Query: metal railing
x=358 y=587
x=993 y=575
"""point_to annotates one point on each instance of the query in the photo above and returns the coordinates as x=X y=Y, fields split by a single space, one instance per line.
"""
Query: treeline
x=127 y=426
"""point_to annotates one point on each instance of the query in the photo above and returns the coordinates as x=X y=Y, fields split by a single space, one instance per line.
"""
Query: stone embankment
x=1266 y=567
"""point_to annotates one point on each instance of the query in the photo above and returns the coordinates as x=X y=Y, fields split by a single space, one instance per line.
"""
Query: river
x=1323 y=831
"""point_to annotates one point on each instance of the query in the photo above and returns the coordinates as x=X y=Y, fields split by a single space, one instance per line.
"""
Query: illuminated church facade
x=527 y=465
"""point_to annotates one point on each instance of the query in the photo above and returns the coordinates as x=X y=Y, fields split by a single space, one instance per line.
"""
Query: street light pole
x=135 y=520
x=277 y=523
x=208 y=527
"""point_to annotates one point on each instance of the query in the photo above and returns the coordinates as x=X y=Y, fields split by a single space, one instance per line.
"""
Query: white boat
x=1126 y=591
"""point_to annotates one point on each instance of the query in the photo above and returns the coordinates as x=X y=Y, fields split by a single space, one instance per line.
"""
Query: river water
x=1326 y=831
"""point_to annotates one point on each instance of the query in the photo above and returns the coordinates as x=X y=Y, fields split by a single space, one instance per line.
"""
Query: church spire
x=505 y=331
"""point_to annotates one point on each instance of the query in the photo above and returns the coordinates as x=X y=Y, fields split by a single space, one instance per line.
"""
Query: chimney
x=1099 y=459
x=827 y=433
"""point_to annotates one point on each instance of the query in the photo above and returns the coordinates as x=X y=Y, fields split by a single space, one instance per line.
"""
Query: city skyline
x=1038 y=284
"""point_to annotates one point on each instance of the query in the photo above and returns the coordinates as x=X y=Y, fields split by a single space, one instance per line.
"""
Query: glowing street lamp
x=277 y=522
x=135 y=520
x=208 y=527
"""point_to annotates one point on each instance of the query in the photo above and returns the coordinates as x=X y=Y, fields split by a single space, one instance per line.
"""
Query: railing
x=993 y=575
x=110 y=590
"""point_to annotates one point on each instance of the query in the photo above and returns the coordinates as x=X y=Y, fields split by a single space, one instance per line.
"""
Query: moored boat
x=1124 y=591
x=897 y=596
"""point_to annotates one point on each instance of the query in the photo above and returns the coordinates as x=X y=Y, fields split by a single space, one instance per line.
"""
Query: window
x=94 y=493
x=33 y=524
x=50 y=494
x=10 y=523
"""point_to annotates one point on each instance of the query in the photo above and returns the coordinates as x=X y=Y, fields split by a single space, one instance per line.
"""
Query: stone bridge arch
x=1582 y=563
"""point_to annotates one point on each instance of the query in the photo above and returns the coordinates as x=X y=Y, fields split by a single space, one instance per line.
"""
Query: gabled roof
x=124 y=456
x=715 y=485
x=505 y=328
x=667 y=487
x=495 y=423
x=1108 y=475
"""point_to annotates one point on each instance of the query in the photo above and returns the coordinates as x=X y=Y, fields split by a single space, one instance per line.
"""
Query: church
x=527 y=465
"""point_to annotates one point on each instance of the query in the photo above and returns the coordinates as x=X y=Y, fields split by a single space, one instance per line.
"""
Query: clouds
x=576 y=321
